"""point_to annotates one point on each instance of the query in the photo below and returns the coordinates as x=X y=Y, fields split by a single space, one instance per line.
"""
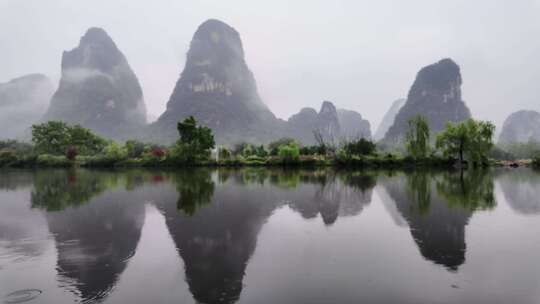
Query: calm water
x=269 y=236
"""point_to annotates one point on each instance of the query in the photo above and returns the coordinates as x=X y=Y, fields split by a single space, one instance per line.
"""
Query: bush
x=289 y=153
x=359 y=147
x=115 y=152
x=273 y=147
x=7 y=156
x=261 y=152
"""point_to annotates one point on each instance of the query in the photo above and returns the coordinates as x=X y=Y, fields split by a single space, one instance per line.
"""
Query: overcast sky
x=362 y=55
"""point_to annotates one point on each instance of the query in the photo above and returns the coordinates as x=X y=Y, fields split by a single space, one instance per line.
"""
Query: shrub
x=273 y=147
x=289 y=153
x=260 y=151
x=47 y=160
x=248 y=150
x=359 y=147
x=113 y=151
x=7 y=156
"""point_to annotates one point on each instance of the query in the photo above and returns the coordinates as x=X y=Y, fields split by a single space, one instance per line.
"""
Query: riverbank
x=369 y=161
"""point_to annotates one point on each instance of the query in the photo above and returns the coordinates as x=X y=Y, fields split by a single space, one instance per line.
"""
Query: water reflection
x=214 y=218
x=94 y=240
x=437 y=207
x=521 y=190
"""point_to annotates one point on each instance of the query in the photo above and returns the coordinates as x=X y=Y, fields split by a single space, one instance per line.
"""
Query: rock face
x=521 y=127
x=98 y=89
x=23 y=101
x=302 y=126
x=352 y=125
x=436 y=95
x=388 y=119
x=218 y=89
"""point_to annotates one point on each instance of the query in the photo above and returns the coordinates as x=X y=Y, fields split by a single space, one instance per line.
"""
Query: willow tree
x=472 y=139
x=417 y=137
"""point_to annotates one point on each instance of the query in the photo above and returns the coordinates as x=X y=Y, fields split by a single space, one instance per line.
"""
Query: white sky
x=362 y=55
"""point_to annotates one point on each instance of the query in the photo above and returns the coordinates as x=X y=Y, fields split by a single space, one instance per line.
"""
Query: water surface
x=270 y=236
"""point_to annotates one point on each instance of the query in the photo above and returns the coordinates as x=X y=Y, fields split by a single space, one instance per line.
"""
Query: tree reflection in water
x=214 y=220
x=437 y=207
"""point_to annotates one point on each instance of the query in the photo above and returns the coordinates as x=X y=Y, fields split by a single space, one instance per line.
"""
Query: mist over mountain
x=388 y=119
x=218 y=89
x=436 y=95
x=98 y=89
x=521 y=127
x=22 y=102
x=353 y=125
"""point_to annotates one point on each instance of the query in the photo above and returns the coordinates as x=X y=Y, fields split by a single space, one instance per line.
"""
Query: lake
x=269 y=236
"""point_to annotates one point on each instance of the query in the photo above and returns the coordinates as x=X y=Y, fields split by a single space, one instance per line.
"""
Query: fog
x=362 y=55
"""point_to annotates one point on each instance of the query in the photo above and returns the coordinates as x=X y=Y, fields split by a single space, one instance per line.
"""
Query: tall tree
x=195 y=141
x=417 y=137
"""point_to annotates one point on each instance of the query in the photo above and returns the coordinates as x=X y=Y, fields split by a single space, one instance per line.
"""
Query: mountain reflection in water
x=214 y=218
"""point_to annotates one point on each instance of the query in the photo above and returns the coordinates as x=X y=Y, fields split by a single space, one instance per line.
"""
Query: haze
x=362 y=55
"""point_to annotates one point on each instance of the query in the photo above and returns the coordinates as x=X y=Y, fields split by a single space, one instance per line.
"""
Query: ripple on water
x=21 y=296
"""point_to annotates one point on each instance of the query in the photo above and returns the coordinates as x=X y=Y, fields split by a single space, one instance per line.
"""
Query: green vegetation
x=289 y=153
x=195 y=142
x=536 y=162
x=55 y=137
x=57 y=144
x=471 y=139
x=417 y=138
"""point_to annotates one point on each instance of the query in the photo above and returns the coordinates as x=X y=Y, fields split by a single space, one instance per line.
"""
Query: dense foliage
x=195 y=141
x=359 y=147
x=471 y=139
x=55 y=137
x=289 y=153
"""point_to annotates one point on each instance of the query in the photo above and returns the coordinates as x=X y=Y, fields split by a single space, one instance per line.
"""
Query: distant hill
x=219 y=90
x=388 y=119
x=98 y=89
x=436 y=95
x=23 y=101
x=521 y=127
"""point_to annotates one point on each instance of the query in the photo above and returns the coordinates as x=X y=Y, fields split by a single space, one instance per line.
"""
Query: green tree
x=86 y=142
x=195 y=141
x=55 y=137
x=134 y=148
x=51 y=137
x=359 y=147
x=417 y=138
x=273 y=147
x=114 y=151
x=470 y=138
x=289 y=153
